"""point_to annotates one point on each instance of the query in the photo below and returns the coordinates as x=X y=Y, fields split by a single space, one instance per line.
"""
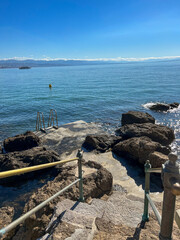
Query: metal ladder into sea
x=40 y=125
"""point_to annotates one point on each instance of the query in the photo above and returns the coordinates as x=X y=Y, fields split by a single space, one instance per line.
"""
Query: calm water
x=98 y=93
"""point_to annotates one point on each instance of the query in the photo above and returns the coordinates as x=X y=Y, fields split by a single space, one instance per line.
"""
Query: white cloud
x=118 y=59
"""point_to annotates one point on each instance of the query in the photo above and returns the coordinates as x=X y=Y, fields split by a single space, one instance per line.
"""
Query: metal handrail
x=38 y=122
x=34 y=210
x=177 y=217
x=147 y=198
x=154 y=208
x=41 y=205
x=51 y=118
x=154 y=170
x=170 y=175
x=15 y=172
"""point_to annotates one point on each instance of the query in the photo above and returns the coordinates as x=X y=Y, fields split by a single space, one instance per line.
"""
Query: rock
x=163 y=106
x=69 y=137
x=101 y=143
x=95 y=185
x=136 y=117
x=174 y=105
x=160 y=107
x=157 y=133
x=137 y=149
x=21 y=142
x=1 y=150
x=6 y=214
x=157 y=159
x=27 y=158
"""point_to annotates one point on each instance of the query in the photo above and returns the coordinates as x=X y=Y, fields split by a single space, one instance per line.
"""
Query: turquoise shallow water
x=99 y=93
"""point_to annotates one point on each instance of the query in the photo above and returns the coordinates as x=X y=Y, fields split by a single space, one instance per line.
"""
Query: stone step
x=118 y=209
x=66 y=207
x=82 y=234
x=77 y=219
x=122 y=210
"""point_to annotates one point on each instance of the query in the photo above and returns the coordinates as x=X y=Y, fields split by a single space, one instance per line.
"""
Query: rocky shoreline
x=111 y=163
x=137 y=140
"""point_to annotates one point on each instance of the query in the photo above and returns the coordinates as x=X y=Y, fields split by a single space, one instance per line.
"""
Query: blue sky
x=88 y=29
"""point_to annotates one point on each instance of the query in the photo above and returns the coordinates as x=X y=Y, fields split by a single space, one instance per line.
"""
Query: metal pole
x=81 y=196
x=158 y=216
x=43 y=121
x=171 y=183
x=56 y=118
x=145 y=216
x=49 y=119
x=37 y=122
x=15 y=172
x=34 y=210
x=167 y=215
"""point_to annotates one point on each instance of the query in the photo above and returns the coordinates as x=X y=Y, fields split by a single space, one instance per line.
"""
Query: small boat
x=24 y=67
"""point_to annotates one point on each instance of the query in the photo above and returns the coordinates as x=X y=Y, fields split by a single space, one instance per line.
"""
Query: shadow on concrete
x=137 y=173
x=137 y=232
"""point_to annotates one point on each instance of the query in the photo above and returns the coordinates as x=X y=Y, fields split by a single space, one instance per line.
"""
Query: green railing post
x=81 y=196
x=145 y=216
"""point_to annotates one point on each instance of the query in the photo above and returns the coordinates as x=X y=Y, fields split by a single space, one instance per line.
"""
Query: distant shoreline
x=5 y=64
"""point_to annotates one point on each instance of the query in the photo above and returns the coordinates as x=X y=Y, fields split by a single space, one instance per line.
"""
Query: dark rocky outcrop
x=157 y=133
x=163 y=106
x=157 y=159
x=100 y=143
x=27 y=158
x=21 y=142
x=136 y=117
x=174 y=105
x=138 y=149
x=95 y=185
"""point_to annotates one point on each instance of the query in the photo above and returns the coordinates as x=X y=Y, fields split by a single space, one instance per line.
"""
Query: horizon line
x=117 y=59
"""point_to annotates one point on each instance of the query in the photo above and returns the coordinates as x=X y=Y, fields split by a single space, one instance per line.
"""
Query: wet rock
x=157 y=159
x=1 y=150
x=136 y=117
x=174 y=105
x=157 y=133
x=160 y=107
x=163 y=106
x=21 y=142
x=100 y=143
x=27 y=158
x=137 y=149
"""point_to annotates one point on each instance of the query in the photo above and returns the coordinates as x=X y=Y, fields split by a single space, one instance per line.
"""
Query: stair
x=118 y=209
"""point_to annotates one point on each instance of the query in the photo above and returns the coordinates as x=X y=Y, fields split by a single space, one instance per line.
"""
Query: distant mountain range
x=11 y=63
x=14 y=63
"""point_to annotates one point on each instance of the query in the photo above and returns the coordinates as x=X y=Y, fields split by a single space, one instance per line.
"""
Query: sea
x=93 y=93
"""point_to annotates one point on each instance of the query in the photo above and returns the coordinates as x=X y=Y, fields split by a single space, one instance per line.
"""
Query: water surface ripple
x=98 y=93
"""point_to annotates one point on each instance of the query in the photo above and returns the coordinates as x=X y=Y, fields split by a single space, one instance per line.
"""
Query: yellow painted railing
x=41 y=205
x=15 y=172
